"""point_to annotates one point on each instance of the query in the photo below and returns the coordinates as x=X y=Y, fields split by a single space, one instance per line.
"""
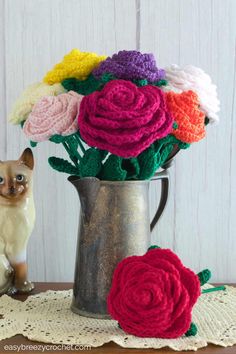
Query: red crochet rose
x=153 y=295
x=123 y=118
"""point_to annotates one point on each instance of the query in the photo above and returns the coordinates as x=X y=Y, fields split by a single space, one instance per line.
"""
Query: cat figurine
x=17 y=218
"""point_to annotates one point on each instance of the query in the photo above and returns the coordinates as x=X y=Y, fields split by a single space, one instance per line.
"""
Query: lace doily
x=47 y=318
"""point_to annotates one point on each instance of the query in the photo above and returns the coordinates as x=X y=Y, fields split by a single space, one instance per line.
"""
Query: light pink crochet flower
x=53 y=115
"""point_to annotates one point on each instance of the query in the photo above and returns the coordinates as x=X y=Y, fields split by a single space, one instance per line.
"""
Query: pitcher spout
x=87 y=189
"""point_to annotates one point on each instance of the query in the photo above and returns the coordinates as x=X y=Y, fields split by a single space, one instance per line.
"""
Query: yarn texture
x=29 y=97
x=75 y=64
x=184 y=108
x=195 y=79
x=124 y=119
x=119 y=117
x=130 y=65
x=53 y=115
x=153 y=295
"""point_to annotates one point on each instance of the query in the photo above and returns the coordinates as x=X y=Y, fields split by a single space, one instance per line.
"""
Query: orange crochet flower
x=184 y=108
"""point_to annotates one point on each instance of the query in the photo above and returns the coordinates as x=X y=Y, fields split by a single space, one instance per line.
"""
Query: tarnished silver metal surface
x=114 y=224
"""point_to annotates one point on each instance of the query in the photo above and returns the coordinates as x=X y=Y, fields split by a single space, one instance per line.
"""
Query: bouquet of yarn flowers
x=121 y=119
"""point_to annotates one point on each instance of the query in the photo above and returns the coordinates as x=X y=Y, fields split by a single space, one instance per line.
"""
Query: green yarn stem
x=73 y=146
x=72 y=157
x=192 y=330
x=80 y=143
x=211 y=290
x=204 y=276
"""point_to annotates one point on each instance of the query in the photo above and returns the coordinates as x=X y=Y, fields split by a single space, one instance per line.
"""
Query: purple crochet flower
x=130 y=65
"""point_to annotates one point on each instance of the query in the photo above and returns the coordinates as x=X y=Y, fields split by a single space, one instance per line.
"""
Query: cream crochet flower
x=31 y=95
x=195 y=79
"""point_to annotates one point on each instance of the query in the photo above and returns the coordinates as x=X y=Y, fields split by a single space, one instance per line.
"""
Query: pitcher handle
x=164 y=176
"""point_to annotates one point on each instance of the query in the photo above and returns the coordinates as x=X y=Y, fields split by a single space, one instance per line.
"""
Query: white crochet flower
x=31 y=95
x=195 y=79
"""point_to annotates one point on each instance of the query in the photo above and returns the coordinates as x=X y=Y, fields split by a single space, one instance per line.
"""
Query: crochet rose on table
x=153 y=295
x=118 y=117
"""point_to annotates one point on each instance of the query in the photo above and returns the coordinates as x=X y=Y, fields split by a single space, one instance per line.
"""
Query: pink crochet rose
x=123 y=118
x=53 y=115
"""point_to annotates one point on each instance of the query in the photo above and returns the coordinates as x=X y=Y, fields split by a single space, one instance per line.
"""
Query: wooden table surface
x=108 y=348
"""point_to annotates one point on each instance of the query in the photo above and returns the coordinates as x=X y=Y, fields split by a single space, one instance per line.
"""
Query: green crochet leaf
x=33 y=144
x=148 y=163
x=107 y=77
x=112 y=169
x=192 y=330
x=163 y=155
x=175 y=125
x=132 y=167
x=83 y=87
x=204 y=276
x=153 y=247
x=170 y=139
x=103 y=153
x=91 y=163
x=57 y=139
x=88 y=86
x=160 y=83
x=62 y=165
x=142 y=82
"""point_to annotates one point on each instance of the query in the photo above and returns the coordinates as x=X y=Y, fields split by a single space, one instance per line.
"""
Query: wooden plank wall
x=199 y=222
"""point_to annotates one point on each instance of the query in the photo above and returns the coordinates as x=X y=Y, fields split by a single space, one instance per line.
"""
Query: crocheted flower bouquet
x=120 y=117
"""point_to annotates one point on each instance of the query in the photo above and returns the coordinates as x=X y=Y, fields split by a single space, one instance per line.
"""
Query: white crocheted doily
x=47 y=318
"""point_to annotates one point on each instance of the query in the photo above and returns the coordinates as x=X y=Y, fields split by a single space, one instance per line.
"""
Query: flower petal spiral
x=131 y=65
x=124 y=119
x=195 y=79
x=24 y=104
x=75 y=64
x=53 y=115
x=153 y=295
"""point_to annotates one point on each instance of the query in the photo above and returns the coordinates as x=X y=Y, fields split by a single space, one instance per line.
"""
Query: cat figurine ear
x=27 y=158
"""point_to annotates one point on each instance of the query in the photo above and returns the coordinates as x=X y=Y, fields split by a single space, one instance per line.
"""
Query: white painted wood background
x=200 y=220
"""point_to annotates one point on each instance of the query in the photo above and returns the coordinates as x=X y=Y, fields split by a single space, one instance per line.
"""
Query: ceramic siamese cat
x=17 y=218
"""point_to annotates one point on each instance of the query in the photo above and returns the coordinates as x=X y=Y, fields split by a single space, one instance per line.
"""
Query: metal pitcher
x=114 y=224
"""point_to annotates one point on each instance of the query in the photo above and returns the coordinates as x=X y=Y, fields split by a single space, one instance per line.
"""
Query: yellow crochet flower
x=31 y=95
x=76 y=64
